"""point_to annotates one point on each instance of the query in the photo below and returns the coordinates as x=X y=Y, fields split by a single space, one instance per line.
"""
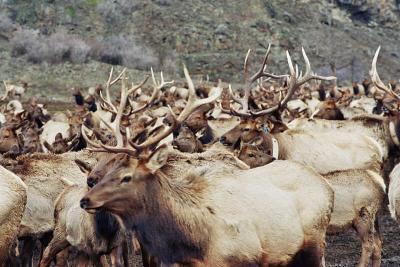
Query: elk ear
x=83 y=166
x=158 y=158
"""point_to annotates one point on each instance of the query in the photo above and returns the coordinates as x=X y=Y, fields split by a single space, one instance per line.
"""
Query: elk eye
x=126 y=179
x=246 y=129
x=251 y=155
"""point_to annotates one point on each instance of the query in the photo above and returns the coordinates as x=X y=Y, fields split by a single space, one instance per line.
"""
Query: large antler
x=132 y=148
x=192 y=104
x=376 y=80
x=295 y=81
x=116 y=127
x=106 y=102
x=244 y=102
x=154 y=95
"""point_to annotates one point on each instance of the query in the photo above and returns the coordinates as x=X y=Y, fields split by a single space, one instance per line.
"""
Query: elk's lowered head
x=328 y=110
x=246 y=131
x=255 y=154
x=186 y=141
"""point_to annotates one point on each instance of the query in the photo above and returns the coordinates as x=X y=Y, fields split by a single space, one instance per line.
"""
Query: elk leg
x=365 y=230
x=62 y=258
x=44 y=242
x=54 y=247
x=135 y=245
x=27 y=247
x=83 y=261
x=98 y=261
x=116 y=256
x=377 y=253
x=125 y=251
x=104 y=261
x=147 y=260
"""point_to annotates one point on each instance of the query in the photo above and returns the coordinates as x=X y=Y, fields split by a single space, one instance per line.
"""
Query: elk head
x=31 y=139
x=255 y=154
x=186 y=141
x=37 y=113
x=124 y=186
x=8 y=137
x=329 y=111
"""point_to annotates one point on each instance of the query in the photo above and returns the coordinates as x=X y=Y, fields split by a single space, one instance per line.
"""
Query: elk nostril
x=222 y=139
x=84 y=203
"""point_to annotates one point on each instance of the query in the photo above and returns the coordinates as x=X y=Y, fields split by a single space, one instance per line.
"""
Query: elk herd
x=201 y=174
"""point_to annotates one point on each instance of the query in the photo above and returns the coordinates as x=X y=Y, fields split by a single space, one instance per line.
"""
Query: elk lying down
x=13 y=201
x=91 y=234
x=219 y=217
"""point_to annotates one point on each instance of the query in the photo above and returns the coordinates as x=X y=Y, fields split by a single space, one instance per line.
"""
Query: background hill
x=57 y=44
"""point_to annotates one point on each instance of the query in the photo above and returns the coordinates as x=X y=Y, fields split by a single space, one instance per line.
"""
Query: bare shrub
x=23 y=41
x=115 y=8
x=6 y=24
x=79 y=51
x=56 y=48
x=125 y=50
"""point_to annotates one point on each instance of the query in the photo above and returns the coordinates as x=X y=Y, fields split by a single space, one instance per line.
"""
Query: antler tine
x=156 y=91
x=106 y=102
x=308 y=74
x=105 y=148
x=376 y=80
x=294 y=82
x=192 y=104
x=135 y=88
x=87 y=139
x=244 y=102
x=261 y=72
x=120 y=111
x=108 y=95
x=154 y=95
x=246 y=65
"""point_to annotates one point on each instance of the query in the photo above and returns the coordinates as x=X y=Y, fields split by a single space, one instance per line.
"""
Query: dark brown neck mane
x=174 y=226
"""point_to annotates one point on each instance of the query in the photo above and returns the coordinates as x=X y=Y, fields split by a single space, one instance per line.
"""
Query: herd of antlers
x=123 y=143
x=294 y=80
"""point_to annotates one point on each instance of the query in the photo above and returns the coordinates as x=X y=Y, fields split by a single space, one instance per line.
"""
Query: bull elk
x=383 y=130
x=325 y=152
x=207 y=211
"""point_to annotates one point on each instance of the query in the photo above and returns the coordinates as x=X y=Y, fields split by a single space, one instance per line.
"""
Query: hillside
x=75 y=41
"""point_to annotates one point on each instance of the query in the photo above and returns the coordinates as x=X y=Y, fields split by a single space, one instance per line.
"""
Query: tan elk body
x=92 y=235
x=12 y=205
